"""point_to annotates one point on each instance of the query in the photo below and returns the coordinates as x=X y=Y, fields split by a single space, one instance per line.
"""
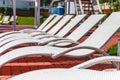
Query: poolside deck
x=41 y=62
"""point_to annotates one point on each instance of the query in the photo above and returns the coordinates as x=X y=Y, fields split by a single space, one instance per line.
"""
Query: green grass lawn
x=28 y=20
x=113 y=50
x=25 y=20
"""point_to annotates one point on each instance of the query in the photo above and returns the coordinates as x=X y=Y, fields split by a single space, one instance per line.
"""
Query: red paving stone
x=41 y=62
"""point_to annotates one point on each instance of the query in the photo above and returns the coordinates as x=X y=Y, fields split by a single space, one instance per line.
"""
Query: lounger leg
x=91 y=56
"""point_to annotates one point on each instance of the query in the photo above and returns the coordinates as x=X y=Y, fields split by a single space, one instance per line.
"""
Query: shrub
x=6 y=10
x=113 y=50
x=9 y=11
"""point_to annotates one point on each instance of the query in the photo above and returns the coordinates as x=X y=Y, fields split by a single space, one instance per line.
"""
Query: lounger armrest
x=58 y=40
x=27 y=30
x=46 y=36
x=7 y=33
x=96 y=61
x=63 y=41
x=50 y=42
x=80 y=47
x=14 y=35
x=34 y=34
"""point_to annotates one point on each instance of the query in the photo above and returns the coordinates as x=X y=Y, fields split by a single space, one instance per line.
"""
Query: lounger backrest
x=12 y=18
x=5 y=18
x=89 y=23
x=70 y=25
x=46 y=22
x=60 y=24
x=95 y=61
x=52 y=23
x=104 y=32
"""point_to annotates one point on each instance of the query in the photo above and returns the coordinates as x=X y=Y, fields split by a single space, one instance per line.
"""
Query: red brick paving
x=41 y=62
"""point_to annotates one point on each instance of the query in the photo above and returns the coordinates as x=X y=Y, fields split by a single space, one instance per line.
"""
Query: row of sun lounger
x=50 y=41
x=5 y=20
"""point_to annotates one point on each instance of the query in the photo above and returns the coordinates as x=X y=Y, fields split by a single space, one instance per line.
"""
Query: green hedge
x=6 y=10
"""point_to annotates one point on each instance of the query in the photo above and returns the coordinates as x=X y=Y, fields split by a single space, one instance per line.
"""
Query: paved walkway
x=5 y=28
x=41 y=62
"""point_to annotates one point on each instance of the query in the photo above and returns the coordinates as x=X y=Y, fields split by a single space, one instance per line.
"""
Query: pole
x=38 y=13
x=14 y=15
x=35 y=18
x=118 y=53
x=81 y=8
x=75 y=2
x=98 y=4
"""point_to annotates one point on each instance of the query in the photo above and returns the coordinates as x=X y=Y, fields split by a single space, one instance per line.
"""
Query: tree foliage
x=114 y=4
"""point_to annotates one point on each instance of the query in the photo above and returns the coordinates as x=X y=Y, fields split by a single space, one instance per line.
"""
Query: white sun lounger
x=11 y=20
x=59 y=25
x=61 y=33
x=75 y=73
x=51 y=24
x=78 y=33
x=53 y=30
x=13 y=37
x=5 y=19
x=96 y=40
x=98 y=17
